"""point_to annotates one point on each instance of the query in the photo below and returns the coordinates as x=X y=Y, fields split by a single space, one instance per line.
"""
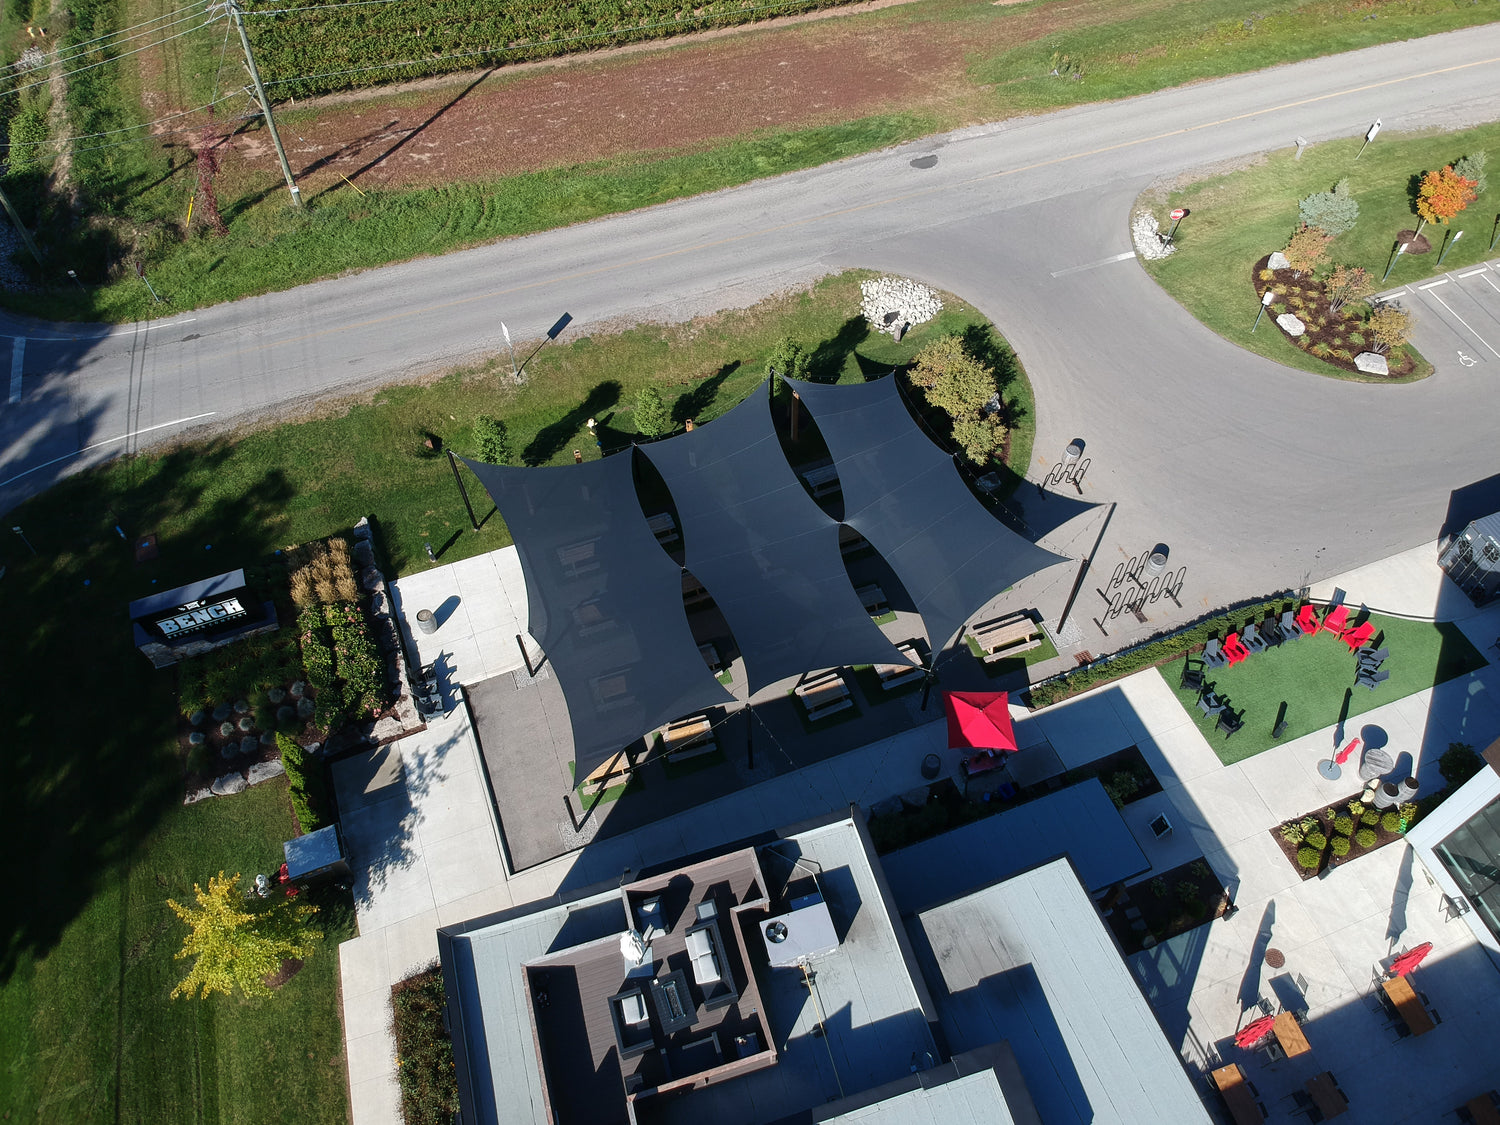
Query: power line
x=126 y=129
x=70 y=51
x=105 y=62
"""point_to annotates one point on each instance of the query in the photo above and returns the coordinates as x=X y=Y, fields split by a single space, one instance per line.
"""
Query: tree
x=786 y=361
x=238 y=943
x=1443 y=194
x=1347 y=283
x=492 y=441
x=652 y=417
x=962 y=387
x=1389 y=326
x=1332 y=212
x=1471 y=168
x=980 y=438
x=1307 y=249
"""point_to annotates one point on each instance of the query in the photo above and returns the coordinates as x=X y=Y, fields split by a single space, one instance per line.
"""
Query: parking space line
x=1493 y=286
x=1434 y=284
x=17 y=357
x=1471 y=273
x=1465 y=323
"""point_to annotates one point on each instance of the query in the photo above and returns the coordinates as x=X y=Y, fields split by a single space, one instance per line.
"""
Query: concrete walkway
x=429 y=852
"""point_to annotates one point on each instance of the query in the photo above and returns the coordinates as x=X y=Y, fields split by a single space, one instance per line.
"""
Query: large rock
x=264 y=771
x=1277 y=261
x=197 y=795
x=362 y=528
x=1290 y=324
x=228 y=785
x=387 y=728
x=1372 y=363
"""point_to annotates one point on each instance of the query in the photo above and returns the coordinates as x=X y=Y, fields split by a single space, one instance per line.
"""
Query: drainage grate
x=1084 y=657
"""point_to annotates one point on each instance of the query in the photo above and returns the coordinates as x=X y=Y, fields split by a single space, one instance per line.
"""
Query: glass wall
x=1472 y=856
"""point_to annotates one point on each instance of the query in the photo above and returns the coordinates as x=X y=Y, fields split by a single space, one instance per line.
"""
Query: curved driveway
x=1257 y=476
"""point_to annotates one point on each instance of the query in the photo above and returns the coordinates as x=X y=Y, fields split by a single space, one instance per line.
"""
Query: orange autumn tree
x=1443 y=194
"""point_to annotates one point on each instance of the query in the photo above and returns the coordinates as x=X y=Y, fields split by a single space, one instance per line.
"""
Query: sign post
x=1177 y=217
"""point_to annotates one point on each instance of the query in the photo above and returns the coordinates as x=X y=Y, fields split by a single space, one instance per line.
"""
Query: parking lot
x=1458 y=316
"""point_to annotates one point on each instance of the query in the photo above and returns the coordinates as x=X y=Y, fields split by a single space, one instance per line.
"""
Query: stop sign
x=1179 y=213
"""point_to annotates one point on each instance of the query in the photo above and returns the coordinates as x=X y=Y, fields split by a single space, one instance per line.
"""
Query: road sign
x=1179 y=213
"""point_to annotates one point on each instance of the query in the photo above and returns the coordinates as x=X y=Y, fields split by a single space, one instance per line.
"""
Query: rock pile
x=894 y=304
x=1145 y=232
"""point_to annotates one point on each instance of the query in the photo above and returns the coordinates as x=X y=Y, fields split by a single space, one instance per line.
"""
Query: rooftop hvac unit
x=798 y=936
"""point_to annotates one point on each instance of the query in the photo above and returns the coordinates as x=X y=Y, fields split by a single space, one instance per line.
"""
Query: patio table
x=1326 y=1094
x=1233 y=1088
x=1288 y=1033
x=1404 y=999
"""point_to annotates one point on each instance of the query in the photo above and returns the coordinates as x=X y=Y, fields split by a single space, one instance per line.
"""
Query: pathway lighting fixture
x=1265 y=303
x=22 y=534
x=1448 y=244
x=1400 y=249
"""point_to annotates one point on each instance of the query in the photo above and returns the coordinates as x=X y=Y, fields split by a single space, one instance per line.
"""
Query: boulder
x=364 y=553
x=305 y=708
x=241 y=706
x=371 y=579
x=362 y=528
x=246 y=725
x=228 y=785
x=297 y=690
x=1372 y=363
x=1290 y=324
x=1277 y=261
x=198 y=717
x=276 y=694
x=197 y=795
x=264 y=771
x=197 y=738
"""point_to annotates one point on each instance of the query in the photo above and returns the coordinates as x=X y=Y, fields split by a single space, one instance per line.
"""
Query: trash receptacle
x=426 y=621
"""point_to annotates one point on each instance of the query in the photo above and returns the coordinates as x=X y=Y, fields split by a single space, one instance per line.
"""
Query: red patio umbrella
x=1254 y=1031
x=979 y=719
x=1410 y=959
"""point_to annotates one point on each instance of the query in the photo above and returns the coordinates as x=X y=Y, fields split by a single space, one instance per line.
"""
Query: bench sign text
x=196 y=615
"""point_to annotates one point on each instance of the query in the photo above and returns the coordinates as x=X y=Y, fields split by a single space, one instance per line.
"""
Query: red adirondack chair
x=1356 y=638
x=1235 y=649
x=1307 y=620
x=1337 y=619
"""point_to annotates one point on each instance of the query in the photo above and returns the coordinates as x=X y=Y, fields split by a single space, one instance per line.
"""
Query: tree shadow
x=692 y=404
x=827 y=360
x=91 y=767
x=554 y=438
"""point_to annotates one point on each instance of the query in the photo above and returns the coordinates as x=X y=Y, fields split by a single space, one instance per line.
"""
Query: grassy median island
x=91 y=777
x=1238 y=218
x=1315 y=675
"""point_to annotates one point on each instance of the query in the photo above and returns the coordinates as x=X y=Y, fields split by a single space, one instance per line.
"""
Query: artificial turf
x=1314 y=677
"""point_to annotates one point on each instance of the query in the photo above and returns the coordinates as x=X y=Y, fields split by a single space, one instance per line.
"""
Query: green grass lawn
x=89 y=1032
x=1240 y=217
x=1044 y=651
x=1312 y=677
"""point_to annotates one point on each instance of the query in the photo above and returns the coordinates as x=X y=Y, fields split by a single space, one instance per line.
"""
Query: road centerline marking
x=1094 y=265
x=17 y=358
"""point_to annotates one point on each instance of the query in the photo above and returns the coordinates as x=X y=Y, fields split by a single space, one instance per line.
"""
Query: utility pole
x=265 y=103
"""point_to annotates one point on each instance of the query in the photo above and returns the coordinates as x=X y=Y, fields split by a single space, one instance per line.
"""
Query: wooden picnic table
x=1235 y=1091
x=1406 y=1002
x=1326 y=1094
x=1289 y=1034
x=1482 y=1110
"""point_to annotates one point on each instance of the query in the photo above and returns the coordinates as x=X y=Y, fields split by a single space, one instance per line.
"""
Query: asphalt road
x=1256 y=476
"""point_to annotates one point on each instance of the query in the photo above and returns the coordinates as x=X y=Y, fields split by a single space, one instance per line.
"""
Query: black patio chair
x=1230 y=723
x=1192 y=673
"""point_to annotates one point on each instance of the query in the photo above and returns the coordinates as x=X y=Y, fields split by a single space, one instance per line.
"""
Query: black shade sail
x=905 y=496
x=604 y=602
x=765 y=551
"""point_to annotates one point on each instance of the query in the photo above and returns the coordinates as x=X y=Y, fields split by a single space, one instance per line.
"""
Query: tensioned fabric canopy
x=604 y=602
x=765 y=550
x=905 y=496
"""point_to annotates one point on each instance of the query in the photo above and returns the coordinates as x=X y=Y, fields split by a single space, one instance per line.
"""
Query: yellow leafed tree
x=238 y=943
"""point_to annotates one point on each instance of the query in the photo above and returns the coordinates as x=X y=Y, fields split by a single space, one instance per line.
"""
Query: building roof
x=1080 y=820
x=1028 y=960
x=905 y=496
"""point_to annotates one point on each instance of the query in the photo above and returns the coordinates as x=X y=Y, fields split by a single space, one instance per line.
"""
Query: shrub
x=1121 y=787
x=28 y=134
x=1159 y=887
x=1365 y=837
x=492 y=441
x=1343 y=353
x=1307 y=249
x=1408 y=814
x=1471 y=168
x=1343 y=825
x=1340 y=846
x=1389 y=326
x=1347 y=283
x=786 y=361
x=1267 y=275
x=1369 y=817
x=1391 y=821
x=1332 y=212
x=1292 y=833
x=1309 y=858
x=200 y=759
x=1459 y=763
x=429 y=1088
x=1187 y=892
x=1356 y=809
x=1317 y=840
x=1322 y=351
x=652 y=418
x=305 y=779
x=1443 y=193
x=1356 y=338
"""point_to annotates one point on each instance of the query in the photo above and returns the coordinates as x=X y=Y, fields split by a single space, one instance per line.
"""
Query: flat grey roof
x=974 y=1099
x=1029 y=961
x=1080 y=820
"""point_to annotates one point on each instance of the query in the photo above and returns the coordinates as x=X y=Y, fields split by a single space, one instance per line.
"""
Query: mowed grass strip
x=1240 y=217
x=1314 y=675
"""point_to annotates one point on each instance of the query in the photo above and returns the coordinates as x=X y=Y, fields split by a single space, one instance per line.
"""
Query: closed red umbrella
x=1343 y=755
x=1410 y=959
x=979 y=719
x=1254 y=1031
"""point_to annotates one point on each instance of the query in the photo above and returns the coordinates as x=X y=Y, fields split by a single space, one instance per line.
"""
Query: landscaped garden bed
x=1333 y=331
x=1125 y=775
x=1168 y=904
x=1339 y=833
x=424 y=1050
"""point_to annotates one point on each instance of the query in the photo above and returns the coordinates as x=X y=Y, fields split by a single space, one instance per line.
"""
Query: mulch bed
x=1160 y=901
x=1325 y=826
x=1337 y=332
x=288 y=970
